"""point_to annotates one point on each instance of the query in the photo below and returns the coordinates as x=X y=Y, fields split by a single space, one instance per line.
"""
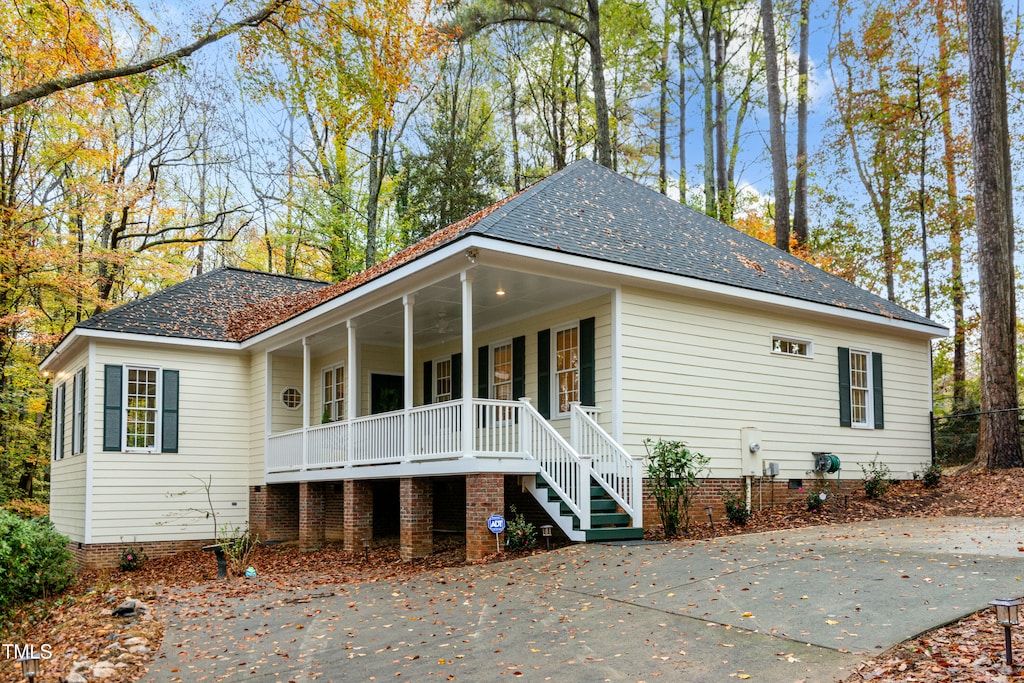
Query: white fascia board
x=88 y=334
x=615 y=273
x=375 y=286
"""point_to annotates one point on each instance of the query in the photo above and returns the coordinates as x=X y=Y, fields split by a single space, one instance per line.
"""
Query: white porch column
x=407 y=302
x=352 y=374
x=468 y=427
x=306 y=400
x=351 y=391
x=268 y=409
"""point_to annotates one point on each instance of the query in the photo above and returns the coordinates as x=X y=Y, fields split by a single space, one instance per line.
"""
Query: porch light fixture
x=501 y=291
x=29 y=666
x=1007 y=615
x=545 y=531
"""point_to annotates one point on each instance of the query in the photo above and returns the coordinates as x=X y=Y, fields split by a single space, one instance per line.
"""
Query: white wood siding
x=67 y=476
x=257 y=417
x=161 y=496
x=701 y=371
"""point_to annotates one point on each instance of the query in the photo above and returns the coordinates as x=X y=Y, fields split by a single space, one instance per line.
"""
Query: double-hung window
x=58 y=420
x=567 y=367
x=78 y=414
x=443 y=380
x=140 y=409
x=334 y=393
x=501 y=373
x=861 y=401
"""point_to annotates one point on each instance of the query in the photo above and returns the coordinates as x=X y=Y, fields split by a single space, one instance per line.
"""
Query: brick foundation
x=710 y=493
x=108 y=555
x=334 y=512
x=312 y=500
x=485 y=496
x=417 y=518
x=358 y=514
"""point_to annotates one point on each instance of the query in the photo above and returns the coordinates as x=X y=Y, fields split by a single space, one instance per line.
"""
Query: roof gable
x=198 y=308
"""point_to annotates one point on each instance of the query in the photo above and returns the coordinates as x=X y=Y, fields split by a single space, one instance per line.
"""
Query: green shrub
x=238 y=546
x=132 y=558
x=877 y=479
x=520 y=533
x=674 y=475
x=932 y=475
x=34 y=560
x=736 y=508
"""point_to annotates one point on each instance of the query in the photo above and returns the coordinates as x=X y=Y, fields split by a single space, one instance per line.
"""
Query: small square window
x=291 y=398
x=792 y=346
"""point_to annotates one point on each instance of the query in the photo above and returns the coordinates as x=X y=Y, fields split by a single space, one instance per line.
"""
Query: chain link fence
x=954 y=437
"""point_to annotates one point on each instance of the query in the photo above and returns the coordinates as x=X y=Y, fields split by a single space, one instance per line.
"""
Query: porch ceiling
x=438 y=308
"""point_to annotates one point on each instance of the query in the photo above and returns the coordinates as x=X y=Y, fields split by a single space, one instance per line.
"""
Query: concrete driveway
x=795 y=605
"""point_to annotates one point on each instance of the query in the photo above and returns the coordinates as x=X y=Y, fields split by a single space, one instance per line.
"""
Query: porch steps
x=607 y=523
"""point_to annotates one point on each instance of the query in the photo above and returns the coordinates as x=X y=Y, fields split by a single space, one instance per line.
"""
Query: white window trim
x=344 y=387
x=158 y=418
x=434 y=376
x=869 y=412
x=555 y=403
x=791 y=338
x=285 y=404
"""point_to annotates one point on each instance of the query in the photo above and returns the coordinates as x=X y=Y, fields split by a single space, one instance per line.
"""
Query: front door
x=387 y=393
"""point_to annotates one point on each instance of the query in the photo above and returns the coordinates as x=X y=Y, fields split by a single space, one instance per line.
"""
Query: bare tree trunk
x=681 y=48
x=376 y=173
x=777 y=136
x=999 y=434
x=721 y=137
x=663 y=107
x=800 y=229
x=604 y=145
x=922 y=216
x=710 y=203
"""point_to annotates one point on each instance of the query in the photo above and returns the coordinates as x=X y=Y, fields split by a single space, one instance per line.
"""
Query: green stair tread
x=615 y=534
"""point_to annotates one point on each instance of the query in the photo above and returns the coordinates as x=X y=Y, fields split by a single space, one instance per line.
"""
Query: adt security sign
x=496 y=524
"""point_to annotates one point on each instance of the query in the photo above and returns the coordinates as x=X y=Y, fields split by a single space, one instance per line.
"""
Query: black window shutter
x=544 y=373
x=112 y=407
x=518 y=367
x=428 y=382
x=845 y=416
x=588 y=372
x=58 y=410
x=80 y=433
x=456 y=375
x=876 y=390
x=169 y=420
x=482 y=377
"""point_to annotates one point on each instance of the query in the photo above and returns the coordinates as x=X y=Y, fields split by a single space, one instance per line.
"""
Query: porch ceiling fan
x=444 y=325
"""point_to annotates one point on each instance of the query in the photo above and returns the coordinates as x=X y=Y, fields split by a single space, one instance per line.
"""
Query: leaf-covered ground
x=78 y=625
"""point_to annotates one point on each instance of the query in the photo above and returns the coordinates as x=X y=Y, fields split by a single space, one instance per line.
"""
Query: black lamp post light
x=1007 y=615
x=29 y=666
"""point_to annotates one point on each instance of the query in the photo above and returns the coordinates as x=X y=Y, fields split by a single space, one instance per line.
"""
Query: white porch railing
x=615 y=469
x=508 y=429
x=436 y=430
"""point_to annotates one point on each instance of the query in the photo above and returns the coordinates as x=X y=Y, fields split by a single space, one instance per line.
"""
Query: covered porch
x=484 y=371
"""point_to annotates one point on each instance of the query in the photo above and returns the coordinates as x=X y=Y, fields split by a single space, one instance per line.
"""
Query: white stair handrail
x=619 y=473
x=561 y=466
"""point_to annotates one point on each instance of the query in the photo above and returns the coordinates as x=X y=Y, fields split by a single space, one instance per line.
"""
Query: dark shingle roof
x=198 y=308
x=587 y=210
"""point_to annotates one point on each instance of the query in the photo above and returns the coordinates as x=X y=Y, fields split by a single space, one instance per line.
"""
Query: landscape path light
x=545 y=531
x=1007 y=615
x=29 y=666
